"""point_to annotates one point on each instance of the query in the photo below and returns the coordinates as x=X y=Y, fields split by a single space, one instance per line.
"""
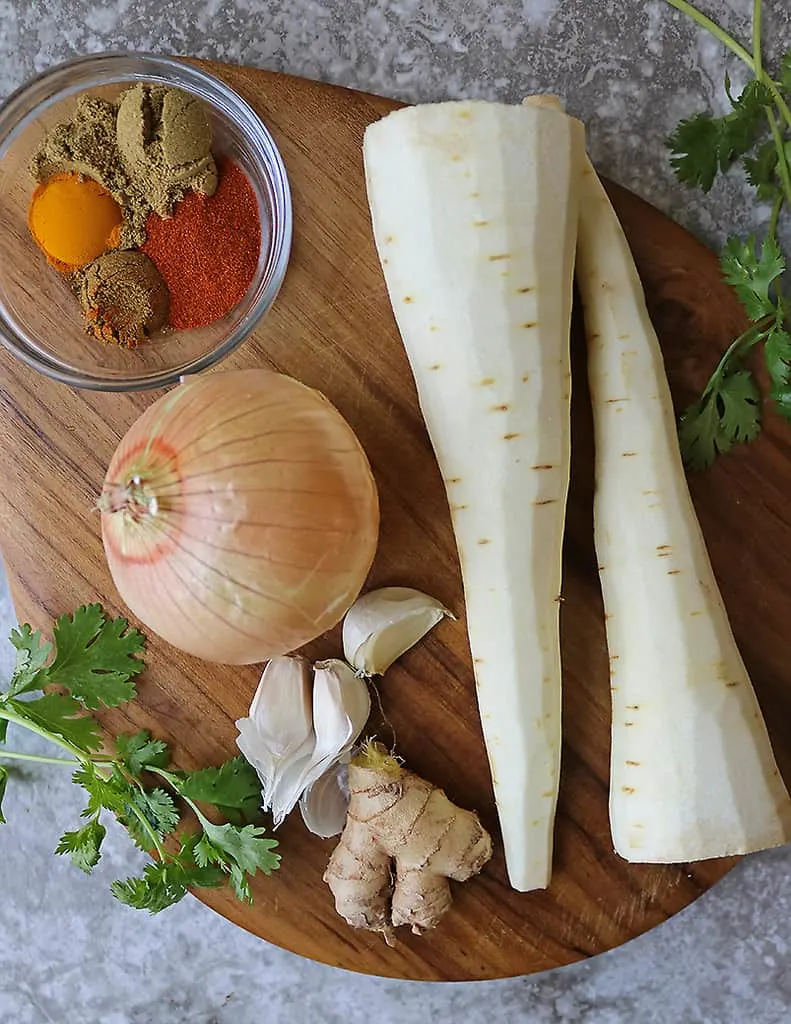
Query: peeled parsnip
x=474 y=209
x=693 y=775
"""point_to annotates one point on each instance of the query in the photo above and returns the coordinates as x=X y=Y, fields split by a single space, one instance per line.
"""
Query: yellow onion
x=239 y=516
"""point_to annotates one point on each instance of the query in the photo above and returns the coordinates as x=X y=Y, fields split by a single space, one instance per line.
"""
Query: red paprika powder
x=207 y=252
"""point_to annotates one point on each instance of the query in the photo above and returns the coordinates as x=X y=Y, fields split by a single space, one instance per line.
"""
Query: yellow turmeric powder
x=74 y=220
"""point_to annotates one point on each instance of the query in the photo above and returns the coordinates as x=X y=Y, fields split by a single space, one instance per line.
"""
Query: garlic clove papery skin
x=278 y=731
x=384 y=624
x=343 y=685
x=282 y=704
x=289 y=784
x=325 y=803
x=341 y=705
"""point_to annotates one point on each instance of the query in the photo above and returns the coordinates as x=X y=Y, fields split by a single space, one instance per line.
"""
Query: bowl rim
x=26 y=103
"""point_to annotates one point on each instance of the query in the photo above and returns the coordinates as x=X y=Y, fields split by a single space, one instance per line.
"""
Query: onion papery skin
x=239 y=516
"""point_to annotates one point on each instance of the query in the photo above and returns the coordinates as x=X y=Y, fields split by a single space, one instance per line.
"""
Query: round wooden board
x=332 y=328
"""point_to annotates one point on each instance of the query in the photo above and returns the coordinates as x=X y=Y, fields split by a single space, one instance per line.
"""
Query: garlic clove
x=341 y=706
x=249 y=743
x=335 y=681
x=384 y=624
x=282 y=705
x=289 y=784
x=325 y=802
x=279 y=728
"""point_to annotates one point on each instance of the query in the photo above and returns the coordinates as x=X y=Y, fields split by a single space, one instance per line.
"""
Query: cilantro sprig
x=755 y=133
x=93 y=663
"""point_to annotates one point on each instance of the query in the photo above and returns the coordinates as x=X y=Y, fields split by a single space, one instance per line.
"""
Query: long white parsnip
x=474 y=209
x=693 y=775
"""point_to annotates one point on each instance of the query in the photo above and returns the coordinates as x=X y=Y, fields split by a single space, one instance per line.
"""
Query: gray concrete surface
x=68 y=952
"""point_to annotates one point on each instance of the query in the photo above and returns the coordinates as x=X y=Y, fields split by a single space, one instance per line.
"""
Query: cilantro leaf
x=702 y=145
x=111 y=794
x=31 y=655
x=761 y=170
x=62 y=715
x=694 y=147
x=95 y=657
x=137 y=750
x=699 y=435
x=3 y=784
x=159 y=810
x=237 y=851
x=160 y=887
x=740 y=408
x=781 y=396
x=751 y=275
x=728 y=415
x=777 y=352
x=83 y=846
x=738 y=130
x=233 y=785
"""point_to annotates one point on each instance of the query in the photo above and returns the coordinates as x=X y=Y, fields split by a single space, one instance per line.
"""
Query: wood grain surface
x=332 y=328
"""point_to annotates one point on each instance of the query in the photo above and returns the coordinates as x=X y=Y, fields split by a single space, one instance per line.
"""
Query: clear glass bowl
x=40 y=318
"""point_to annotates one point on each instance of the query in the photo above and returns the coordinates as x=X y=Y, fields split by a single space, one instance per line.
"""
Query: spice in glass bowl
x=123 y=298
x=74 y=220
x=148 y=228
x=208 y=250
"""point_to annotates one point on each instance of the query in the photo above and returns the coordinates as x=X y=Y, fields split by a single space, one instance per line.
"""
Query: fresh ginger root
x=395 y=816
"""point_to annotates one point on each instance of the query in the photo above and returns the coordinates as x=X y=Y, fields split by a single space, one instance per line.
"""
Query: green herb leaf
x=777 y=352
x=160 y=887
x=694 y=147
x=3 y=729
x=781 y=396
x=740 y=407
x=738 y=131
x=233 y=785
x=238 y=851
x=96 y=658
x=751 y=275
x=3 y=784
x=699 y=435
x=761 y=171
x=83 y=846
x=159 y=810
x=137 y=750
x=31 y=655
x=63 y=716
x=702 y=145
x=110 y=794
x=728 y=415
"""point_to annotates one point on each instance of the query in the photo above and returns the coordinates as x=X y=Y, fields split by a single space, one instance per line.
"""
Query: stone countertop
x=630 y=69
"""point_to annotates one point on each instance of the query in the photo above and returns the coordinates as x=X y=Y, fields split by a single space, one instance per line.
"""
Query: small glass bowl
x=40 y=321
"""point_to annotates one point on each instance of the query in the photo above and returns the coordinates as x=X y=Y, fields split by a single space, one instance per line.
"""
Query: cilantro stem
x=755 y=64
x=744 y=342
x=162 y=853
x=777 y=206
x=711 y=26
x=757 y=58
x=17 y=755
x=782 y=159
x=175 y=782
x=12 y=716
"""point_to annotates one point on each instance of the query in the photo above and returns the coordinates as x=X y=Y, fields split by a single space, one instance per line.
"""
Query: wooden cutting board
x=332 y=328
